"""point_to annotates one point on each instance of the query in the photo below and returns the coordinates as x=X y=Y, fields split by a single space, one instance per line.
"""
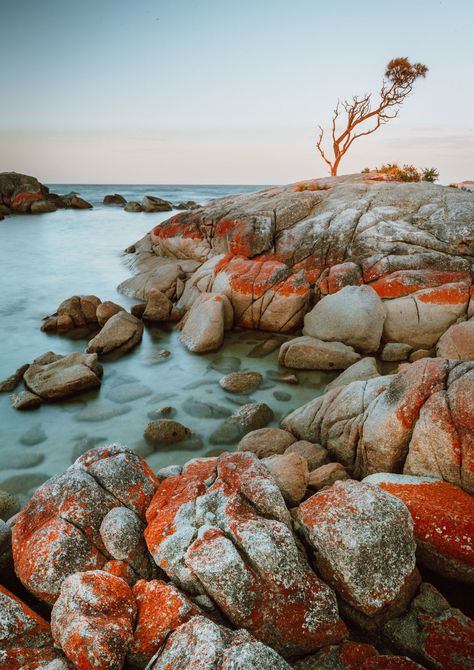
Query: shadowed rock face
x=411 y=243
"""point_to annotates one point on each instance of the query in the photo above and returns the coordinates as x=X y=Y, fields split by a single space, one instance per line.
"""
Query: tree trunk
x=334 y=170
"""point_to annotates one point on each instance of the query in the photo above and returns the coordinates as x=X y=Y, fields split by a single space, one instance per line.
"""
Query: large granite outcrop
x=277 y=252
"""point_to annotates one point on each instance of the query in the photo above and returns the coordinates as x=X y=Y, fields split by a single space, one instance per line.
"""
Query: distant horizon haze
x=214 y=92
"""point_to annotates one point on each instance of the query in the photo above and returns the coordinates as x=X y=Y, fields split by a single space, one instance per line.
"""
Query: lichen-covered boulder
x=121 y=333
x=363 y=542
x=309 y=353
x=25 y=637
x=440 y=636
x=201 y=644
x=443 y=518
x=60 y=531
x=221 y=529
x=419 y=421
x=92 y=620
x=354 y=656
x=53 y=377
x=354 y=315
x=161 y=609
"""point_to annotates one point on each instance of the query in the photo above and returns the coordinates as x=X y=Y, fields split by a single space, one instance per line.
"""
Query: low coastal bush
x=394 y=172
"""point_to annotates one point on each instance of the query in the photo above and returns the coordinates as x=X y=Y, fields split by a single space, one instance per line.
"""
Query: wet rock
x=42 y=207
x=457 y=342
x=158 y=306
x=362 y=370
x=308 y=353
x=25 y=400
x=53 y=377
x=326 y=475
x=79 y=311
x=14 y=459
x=58 y=532
x=290 y=471
x=203 y=330
x=25 y=637
x=202 y=644
x=241 y=382
x=205 y=410
x=443 y=518
x=221 y=529
x=79 y=203
x=151 y=203
x=35 y=435
x=133 y=206
x=115 y=199
x=264 y=348
x=225 y=364
x=249 y=417
x=124 y=393
x=433 y=632
x=106 y=310
x=12 y=382
x=138 y=310
x=92 y=620
x=314 y=454
x=101 y=411
x=266 y=442
x=164 y=432
x=363 y=542
x=395 y=351
x=354 y=315
x=8 y=505
x=161 y=609
x=121 y=333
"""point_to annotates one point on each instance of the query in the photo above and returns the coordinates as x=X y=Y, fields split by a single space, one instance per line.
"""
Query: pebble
x=282 y=396
x=13 y=380
x=25 y=400
x=241 y=382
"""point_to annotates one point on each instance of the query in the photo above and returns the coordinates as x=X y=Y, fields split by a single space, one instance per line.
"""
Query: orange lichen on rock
x=343 y=274
x=405 y=282
x=180 y=225
x=448 y=294
x=443 y=517
x=25 y=637
x=224 y=531
x=21 y=197
x=162 y=608
x=92 y=620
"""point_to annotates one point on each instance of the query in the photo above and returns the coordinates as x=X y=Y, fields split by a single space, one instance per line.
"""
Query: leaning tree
x=361 y=118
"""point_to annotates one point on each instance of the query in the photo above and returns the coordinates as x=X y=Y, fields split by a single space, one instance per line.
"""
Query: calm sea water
x=47 y=258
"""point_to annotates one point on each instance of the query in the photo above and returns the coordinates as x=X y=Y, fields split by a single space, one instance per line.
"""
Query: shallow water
x=47 y=258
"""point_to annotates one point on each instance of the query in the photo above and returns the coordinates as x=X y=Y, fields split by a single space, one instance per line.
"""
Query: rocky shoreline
x=303 y=547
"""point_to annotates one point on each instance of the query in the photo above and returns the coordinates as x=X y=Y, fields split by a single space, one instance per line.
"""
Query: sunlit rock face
x=277 y=252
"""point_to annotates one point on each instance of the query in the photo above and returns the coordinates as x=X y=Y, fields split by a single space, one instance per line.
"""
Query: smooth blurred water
x=47 y=258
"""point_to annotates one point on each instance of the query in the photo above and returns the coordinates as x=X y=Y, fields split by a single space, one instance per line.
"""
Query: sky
x=225 y=92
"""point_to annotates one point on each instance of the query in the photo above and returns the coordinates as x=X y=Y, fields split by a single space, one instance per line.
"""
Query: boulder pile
x=22 y=194
x=209 y=566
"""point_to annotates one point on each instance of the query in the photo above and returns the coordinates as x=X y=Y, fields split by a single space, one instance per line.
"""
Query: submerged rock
x=165 y=431
x=249 y=417
x=241 y=382
x=133 y=206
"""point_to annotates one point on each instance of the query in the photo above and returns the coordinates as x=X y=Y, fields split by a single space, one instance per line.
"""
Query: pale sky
x=219 y=91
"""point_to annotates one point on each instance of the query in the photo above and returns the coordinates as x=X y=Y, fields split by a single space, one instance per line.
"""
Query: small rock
x=138 y=310
x=53 y=377
x=25 y=400
x=12 y=382
x=314 y=454
x=133 y=206
x=249 y=417
x=115 y=199
x=35 y=435
x=241 y=382
x=266 y=442
x=308 y=353
x=418 y=354
x=158 y=306
x=151 y=203
x=326 y=475
x=395 y=351
x=165 y=431
x=79 y=203
x=106 y=310
x=8 y=505
x=121 y=333
x=282 y=396
x=290 y=471
x=156 y=414
x=205 y=410
x=264 y=348
x=225 y=364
